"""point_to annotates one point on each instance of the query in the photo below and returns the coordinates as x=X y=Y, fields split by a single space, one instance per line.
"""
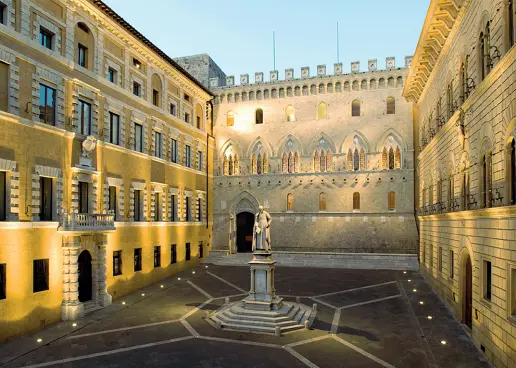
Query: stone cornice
x=488 y=213
x=443 y=19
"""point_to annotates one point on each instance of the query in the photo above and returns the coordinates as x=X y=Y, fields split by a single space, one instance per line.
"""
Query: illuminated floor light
x=39 y=340
x=143 y=294
x=123 y=303
x=443 y=342
x=414 y=290
x=162 y=286
x=206 y=266
x=409 y=280
x=404 y=271
x=193 y=271
x=74 y=324
x=429 y=317
x=179 y=278
x=421 y=302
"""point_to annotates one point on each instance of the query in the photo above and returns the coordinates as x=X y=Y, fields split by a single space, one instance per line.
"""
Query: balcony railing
x=86 y=222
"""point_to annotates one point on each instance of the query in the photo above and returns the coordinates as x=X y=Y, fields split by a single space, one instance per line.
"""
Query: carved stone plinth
x=262 y=295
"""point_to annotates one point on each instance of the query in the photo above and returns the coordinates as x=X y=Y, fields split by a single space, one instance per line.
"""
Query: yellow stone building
x=105 y=162
x=463 y=86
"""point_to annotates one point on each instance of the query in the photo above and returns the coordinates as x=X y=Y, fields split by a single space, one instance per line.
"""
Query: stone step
x=285 y=309
x=229 y=313
x=257 y=328
x=227 y=320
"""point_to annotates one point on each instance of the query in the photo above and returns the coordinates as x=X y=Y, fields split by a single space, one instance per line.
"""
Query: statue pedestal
x=262 y=295
x=262 y=311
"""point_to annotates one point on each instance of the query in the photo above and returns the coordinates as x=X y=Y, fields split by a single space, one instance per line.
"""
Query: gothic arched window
x=512 y=170
x=323 y=162
x=350 y=160
x=329 y=164
x=391 y=105
x=322 y=202
x=290 y=202
x=321 y=111
x=253 y=164
x=391 y=201
x=290 y=113
x=231 y=118
x=296 y=162
x=362 y=159
x=384 y=158
x=236 y=165
x=391 y=158
x=355 y=108
x=225 y=166
x=265 y=163
x=259 y=116
x=230 y=165
x=290 y=163
x=284 y=168
x=397 y=158
x=356 y=160
x=316 y=161
x=259 y=164
x=356 y=201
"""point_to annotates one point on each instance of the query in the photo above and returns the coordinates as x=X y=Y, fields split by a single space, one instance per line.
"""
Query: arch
x=355 y=108
x=244 y=202
x=363 y=84
x=510 y=29
x=399 y=81
x=258 y=116
x=313 y=89
x=321 y=88
x=385 y=140
x=230 y=97
x=397 y=158
x=329 y=88
x=390 y=82
x=305 y=90
x=322 y=163
x=381 y=83
x=290 y=202
x=274 y=93
x=483 y=46
x=356 y=201
x=84 y=46
x=297 y=163
x=259 y=95
x=355 y=85
x=244 y=96
x=230 y=147
x=282 y=92
x=347 y=86
x=329 y=161
x=251 y=95
x=259 y=145
x=338 y=87
x=157 y=90
x=297 y=91
x=199 y=117
x=322 y=201
x=372 y=84
x=265 y=163
x=391 y=158
x=85 y=279
x=237 y=97
x=465 y=254
x=290 y=113
x=289 y=91
x=322 y=111
x=294 y=145
x=391 y=105
x=266 y=94
x=322 y=141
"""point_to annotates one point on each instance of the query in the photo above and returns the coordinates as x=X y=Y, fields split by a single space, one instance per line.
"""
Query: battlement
x=372 y=66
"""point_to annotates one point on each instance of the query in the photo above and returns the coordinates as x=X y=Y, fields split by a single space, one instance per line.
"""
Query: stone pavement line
x=363 y=352
x=123 y=329
x=227 y=282
x=300 y=357
x=190 y=328
x=293 y=344
x=199 y=289
x=221 y=339
x=323 y=303
x=413 y=318
x=196 y=309
x=230 y=296
x=371 y=301
x=109 y=352
x=335 y=323
x=354 y=289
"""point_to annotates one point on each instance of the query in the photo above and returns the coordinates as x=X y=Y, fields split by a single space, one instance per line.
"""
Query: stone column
x=104 y=298
x=71 y=308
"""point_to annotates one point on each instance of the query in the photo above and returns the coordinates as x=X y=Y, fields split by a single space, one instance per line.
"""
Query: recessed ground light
x=193 y=271
x=421 y=302
x=206 y=266
x=162 y=286
x=409 y=280
x=179 y=278
x=39 y=340
x=429 y=317
x=404 y=271
x=74 y=324
x=143 y=294
x=443 y=342
x=414 y=290
x=123 y=303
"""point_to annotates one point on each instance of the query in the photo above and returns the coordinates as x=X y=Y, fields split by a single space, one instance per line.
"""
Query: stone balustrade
x=86 y=222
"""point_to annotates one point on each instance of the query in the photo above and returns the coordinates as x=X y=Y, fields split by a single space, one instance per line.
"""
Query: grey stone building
x=203 y=68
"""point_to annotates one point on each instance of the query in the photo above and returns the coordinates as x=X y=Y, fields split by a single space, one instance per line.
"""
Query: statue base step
x=288 y=317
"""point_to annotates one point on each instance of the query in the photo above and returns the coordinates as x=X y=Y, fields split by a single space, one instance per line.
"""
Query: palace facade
x=463 y=87
x=329 y=156
x=105 y=162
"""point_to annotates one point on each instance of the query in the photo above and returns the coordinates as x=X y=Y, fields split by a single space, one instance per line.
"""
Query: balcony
x=86 y=223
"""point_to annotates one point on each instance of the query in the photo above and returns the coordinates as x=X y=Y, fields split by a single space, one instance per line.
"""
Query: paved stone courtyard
x=365 y=319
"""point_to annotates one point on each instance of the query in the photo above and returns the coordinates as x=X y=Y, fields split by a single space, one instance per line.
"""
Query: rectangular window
x=3 y=14
x=198 y=207
x=186 y=97
x=111 y=75
x=3 y=196
x=137 y=64
x=83 y=197
x=187 y=118
x=82 y=55
x=451 y=263
x=138 y=137
x=47 y=105
x=157 y=207
x=392 y=201
x=440 y=258
x=45 y=38
x=187 y=256
x=84 y=117
x=173 y=109
x=137 y=259
x=114 y=128
x=157 y=256
x=45 y=200
x=173 y=150
x=3 y=281
x=4 y=86
x=200 y=162
x=173 y=207
x=137 y=205
x=40 y=275
x=431 y=254
x=487 y=280
x=112 y=200
x=201 y=252
x=117 y=263
x=188 y=214
x=512 y=292
x=198 y=122
x=173 y=253
x=137 y=89
x=155 y=98
x=188 y=156
x=157 y=144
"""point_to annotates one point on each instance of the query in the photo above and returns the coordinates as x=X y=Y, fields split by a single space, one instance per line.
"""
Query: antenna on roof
x=338 y=56
x=274 y=49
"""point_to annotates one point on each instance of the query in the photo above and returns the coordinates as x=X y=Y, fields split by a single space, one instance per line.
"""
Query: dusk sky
x=238 y=34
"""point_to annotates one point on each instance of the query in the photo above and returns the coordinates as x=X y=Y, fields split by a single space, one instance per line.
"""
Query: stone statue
x=262 y=234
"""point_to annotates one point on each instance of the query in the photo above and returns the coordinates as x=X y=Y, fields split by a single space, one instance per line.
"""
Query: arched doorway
x=467 y=297
x=85 y=277
x=244 y=222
